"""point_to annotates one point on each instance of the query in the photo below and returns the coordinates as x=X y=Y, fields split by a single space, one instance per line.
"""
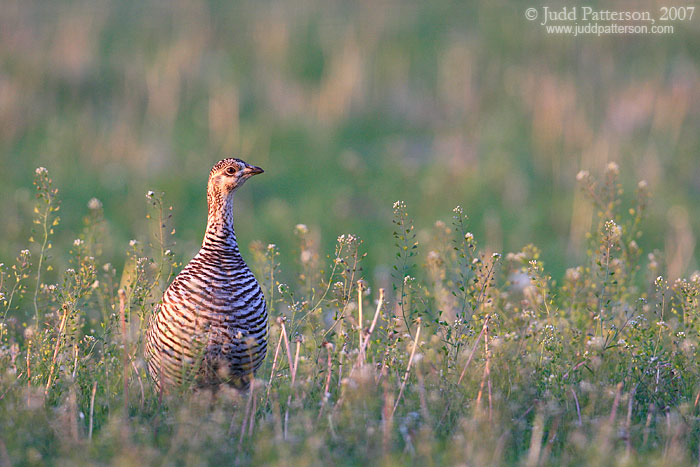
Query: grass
x=466 y=356
x=579 y=346
x=347 y=108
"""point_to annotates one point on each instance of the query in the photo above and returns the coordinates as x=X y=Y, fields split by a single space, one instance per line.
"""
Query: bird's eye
x=230 y=171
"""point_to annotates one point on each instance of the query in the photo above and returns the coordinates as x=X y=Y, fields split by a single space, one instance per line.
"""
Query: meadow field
x=478 y=241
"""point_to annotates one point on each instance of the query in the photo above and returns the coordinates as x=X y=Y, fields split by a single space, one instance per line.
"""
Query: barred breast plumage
x=211 y=326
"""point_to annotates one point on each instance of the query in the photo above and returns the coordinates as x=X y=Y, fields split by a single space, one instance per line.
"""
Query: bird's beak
x=252 y=170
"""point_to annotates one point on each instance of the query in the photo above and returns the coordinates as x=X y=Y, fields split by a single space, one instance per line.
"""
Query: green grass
x=465 y=356
x=349 y=107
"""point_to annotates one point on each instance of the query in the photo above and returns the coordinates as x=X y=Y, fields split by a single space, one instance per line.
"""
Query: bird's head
x=230 y=174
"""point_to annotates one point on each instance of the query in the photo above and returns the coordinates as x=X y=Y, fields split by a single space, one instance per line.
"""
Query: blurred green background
x=348 y=106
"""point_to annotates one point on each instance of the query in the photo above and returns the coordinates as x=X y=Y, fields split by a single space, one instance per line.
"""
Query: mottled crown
x=225 y=163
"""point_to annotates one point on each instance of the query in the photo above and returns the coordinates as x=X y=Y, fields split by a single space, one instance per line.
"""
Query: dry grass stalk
x=141 y=387
x=616 y=402
x=365 y=340
x=387 y=419
x=471 y=354
x=326 y=388
x=292 y=369
x=486 y=379
x=73 y=414
x=533 y=455
x=274 y=364
x=248 y=410
x=578 y=407
x=550 y=441
x=408 y=367
x=61 y=327
x=286 y=346
x=360 y=289
x=125 y=361
x=251 y=426
x=294 y=375
x=29 y=370
x=75 y=361
x=296 y=361
x=92 y=409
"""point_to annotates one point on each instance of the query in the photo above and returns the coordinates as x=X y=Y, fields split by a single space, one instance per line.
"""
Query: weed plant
x=469 y=356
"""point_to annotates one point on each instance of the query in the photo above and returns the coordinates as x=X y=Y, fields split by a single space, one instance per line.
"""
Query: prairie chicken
x=212 y=324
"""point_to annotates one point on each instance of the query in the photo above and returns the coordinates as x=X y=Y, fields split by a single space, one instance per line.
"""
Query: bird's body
x=211 y=326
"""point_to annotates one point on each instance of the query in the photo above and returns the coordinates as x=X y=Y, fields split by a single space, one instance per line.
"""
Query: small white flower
x=305 y=256
x=150 y=194
x=78 y=242
x=271 y=247
x=614 y=230
x=433 y=256
x=133 y=243
x=301 y=229
x=573 y=274
x=94 y=204
x=613 y=168
x=582 y=175
x=41 y=170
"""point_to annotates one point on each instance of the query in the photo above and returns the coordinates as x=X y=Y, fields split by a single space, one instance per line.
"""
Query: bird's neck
x=220 y=231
